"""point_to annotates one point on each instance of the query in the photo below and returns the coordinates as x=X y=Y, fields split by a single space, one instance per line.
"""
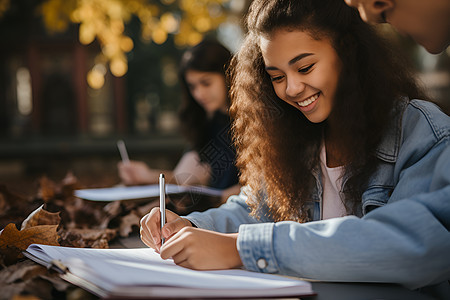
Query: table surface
x=330 y=290
x=359 y=291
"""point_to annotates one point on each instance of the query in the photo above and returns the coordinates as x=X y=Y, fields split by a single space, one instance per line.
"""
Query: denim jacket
x=402 y=236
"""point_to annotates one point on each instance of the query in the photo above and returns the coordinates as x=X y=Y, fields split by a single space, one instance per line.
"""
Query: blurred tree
x=4 y=6
x=105 y=20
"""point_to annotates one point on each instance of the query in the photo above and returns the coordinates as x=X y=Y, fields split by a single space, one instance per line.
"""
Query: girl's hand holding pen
x=151 y=231
x=202 y=249
x=188 y=246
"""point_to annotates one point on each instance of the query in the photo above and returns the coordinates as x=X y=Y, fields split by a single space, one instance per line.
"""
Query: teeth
x=308 y=101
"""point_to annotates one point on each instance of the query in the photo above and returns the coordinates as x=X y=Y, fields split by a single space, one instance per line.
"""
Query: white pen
x=162 y=202
x=123 y=151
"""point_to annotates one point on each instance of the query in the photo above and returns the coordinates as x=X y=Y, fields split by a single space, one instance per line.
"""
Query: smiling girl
x=347 y=178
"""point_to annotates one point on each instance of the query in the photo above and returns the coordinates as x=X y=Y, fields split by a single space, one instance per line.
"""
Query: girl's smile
x=304 y=71
x=309 y=103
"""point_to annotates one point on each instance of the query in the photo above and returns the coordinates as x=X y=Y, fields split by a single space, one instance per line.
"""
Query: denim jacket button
x=261 y=263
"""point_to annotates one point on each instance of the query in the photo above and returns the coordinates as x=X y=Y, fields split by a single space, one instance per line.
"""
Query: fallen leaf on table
x=26 y=277
x=132 y=220
x=13 y=241
x=109 y=212
x=87 y=238
x=47 y=189
x=14 y=207
x=146 y=208
x=37 y=287
x=3 y=203
x=69 y=184
x=25 y=297
x=128 y=222
x=41 y=217
x=21 y=271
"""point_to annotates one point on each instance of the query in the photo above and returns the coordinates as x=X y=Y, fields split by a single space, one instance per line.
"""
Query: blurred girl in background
x=205 y=123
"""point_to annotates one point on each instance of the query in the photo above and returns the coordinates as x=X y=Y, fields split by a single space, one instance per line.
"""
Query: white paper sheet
x=142 y=191
x=141 y=272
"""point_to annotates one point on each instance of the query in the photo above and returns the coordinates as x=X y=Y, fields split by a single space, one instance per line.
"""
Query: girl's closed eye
x=276 y=78
x=306 y=69
x=206 y=83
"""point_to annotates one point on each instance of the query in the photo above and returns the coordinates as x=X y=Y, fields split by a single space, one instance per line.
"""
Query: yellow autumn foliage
x=4 y=6
x=104 y=21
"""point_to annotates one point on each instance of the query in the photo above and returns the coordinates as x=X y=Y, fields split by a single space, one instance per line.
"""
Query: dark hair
x=278 y=148
x=207 y=56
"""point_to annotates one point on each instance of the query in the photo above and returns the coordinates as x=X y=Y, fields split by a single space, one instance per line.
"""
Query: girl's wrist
x=237 y=262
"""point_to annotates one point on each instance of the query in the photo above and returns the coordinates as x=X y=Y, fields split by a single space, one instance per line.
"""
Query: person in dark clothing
x=205 y=122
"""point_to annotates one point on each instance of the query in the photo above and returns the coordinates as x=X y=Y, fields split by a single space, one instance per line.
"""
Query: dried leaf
x=47 y=189
x=14 y=207
x=69 y=184
x=21 y=271
x=37 y=287
x=147 y=207
x=10 y=197
x=57 y=282
x=3 y=204
x=128 y=222
x=13 y=241
x=79 y=294
x=25 y=297
x=41 y=217
x=87 y=214
x=100 y=244
x=27 y=278
x=110 y=211
x=87 y=238
x=113 y=208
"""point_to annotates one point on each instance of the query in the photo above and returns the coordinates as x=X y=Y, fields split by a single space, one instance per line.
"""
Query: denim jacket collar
x=390 y=145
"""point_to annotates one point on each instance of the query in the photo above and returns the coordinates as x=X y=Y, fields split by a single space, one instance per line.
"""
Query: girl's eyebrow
x=298 y=57
x=292 y=61
x=203 y=78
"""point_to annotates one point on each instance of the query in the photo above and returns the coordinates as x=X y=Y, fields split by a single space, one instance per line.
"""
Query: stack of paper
x=141 y=273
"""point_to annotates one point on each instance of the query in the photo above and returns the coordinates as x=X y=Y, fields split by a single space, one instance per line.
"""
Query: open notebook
x=141 y=273
x=142 y=191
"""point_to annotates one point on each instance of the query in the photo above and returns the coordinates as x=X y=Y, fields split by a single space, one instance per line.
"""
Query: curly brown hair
x=278 y=148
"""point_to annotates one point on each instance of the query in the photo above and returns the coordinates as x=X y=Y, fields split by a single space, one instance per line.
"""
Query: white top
x=332 y=204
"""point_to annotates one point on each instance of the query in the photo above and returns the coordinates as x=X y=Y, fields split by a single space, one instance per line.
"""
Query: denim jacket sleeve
x=405 y=240
x=228 y=217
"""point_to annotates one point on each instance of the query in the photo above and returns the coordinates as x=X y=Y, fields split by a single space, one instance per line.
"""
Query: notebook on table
x=141 y=273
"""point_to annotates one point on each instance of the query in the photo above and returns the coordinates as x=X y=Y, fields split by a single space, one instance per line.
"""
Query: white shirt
x=332 y=204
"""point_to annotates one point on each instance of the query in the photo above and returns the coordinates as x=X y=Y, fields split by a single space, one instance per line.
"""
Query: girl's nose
x=198 y=93
x=294 y=87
